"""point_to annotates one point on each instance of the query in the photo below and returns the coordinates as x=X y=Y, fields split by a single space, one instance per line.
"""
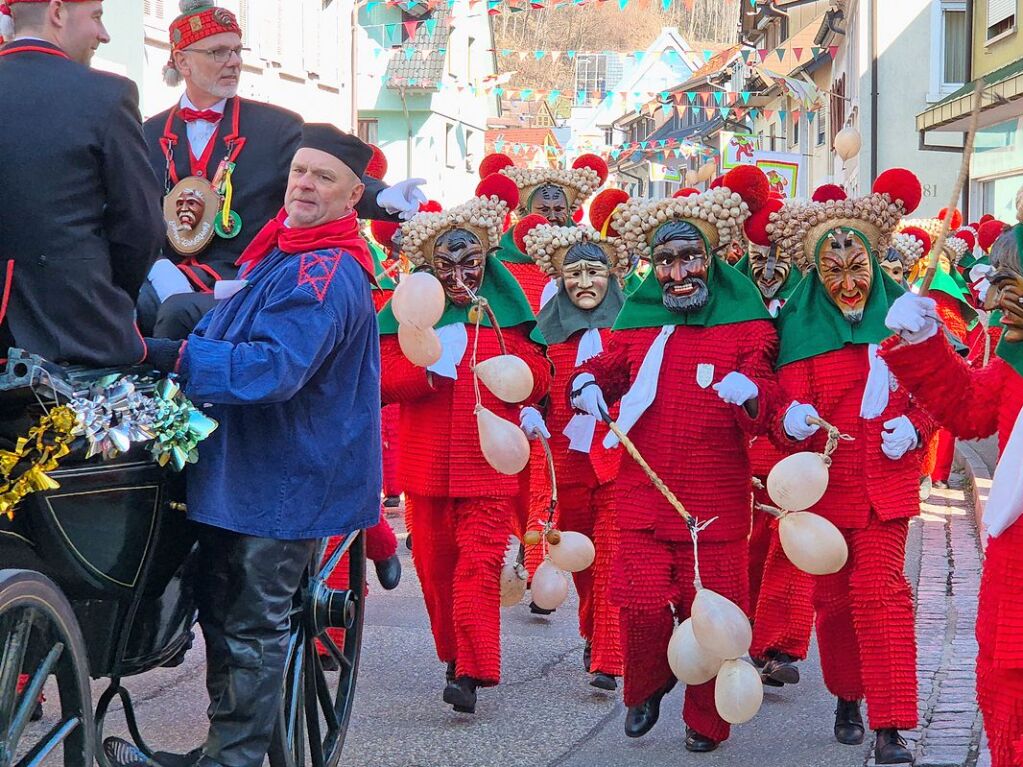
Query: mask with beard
x=845 y=269
x=458 y=262
x=680 y=261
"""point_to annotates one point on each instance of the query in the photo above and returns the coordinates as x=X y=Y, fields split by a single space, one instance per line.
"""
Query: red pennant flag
x=833 y=50
x=798 y=52
x=410 y=29
x=762 y=52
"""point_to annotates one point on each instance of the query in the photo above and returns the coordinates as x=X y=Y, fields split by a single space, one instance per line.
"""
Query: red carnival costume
x=943 y=382
x=829 y=331
x=690 y=360
x=461 y=510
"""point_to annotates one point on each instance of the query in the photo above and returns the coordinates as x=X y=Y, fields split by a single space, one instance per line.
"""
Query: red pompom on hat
x=828 y=192
x=523 y=228
x=430 y=206
x=493 y=163
x=687 y=191
x=377 y=167
x=901 y=185
x=756 y=225
x=719 y=181
x=577 y=215
x=986 y=217
x=919 y=234
x=990 y=231
x=956 y=220
x=603 y=206
x=751 y=185
x=500 y=186
x=383 y=232
x=593 y=162
x=968 y=237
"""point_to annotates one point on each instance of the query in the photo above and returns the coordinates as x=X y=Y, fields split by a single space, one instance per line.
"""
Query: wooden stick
x=957 y=188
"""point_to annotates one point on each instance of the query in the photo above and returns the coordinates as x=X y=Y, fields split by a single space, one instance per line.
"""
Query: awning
x=1003 y=100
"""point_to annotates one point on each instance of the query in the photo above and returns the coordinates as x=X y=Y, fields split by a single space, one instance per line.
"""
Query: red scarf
x=342 y=233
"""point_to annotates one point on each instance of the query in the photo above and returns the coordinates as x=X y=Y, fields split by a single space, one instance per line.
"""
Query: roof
x=1002 y=89
x=789 y=62
x=419 y=63
x=715 y=64
x=531 y=140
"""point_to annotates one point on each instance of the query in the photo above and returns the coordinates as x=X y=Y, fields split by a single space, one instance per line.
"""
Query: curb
x=980 y=485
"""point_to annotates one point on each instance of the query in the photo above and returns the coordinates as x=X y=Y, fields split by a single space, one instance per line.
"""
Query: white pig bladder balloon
x=738 y=691
x=507 y=376
x=549 y=588
x=690 y=661
x=796 y=483
x=574 y=552
x=513 y=584
x=720 y=625
x=504 y=444
x=812 y=543
x=421 y=346
x=418 y=300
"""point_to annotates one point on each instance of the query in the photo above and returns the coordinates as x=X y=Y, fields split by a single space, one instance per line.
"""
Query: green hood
x=785 y=291
x=947 y=284
x=383 y=278
x=811 y=324
x=502 y=292
x=1012 y=353
x=559 y=318
x=733 y=298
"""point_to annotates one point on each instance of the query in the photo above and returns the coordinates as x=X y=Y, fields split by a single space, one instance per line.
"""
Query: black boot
x=449 y=672
x=780 y=670
x=697 y=743
x=392 y=501
x=848 y=722
x=537 y=610
x=389 y=572
x=461 y=694
x=890 y=748
x=640 y=719
x=408 y=541
x=604 y=681
x=587 y=655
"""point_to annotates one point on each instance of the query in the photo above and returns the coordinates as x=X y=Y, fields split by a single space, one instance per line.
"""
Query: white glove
x=590 y=399
x=454 y=339
x=913 y=317
x=980 y=270
x=795 y=421
x=736 y=389
x=532 y=423
x=982 y=288
x=403 y=198
x=899 y=437
x=167 y=280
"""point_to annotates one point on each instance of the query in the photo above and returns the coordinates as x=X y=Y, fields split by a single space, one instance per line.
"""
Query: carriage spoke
x=312 y=714
x=325 y=698
x=335 y=653
x=31 y=693
x=295 y=691
x=57 y=735
x=11 y=662
x=331 y=564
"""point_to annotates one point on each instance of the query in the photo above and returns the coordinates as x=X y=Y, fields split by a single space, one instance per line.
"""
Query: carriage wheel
x=317 y=705
x=39 y=637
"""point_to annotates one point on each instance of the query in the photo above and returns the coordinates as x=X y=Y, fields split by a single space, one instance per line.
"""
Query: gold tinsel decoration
x=42 y=448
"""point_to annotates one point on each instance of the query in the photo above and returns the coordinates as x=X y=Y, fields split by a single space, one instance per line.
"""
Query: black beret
x=335 y=142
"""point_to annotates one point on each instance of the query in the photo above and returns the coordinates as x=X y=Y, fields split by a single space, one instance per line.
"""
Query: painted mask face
x=1006 y=291
x=734 y=252
x=893 y=267
x=189 y=208
x=767 y=270
x=680 y=262
x=458 y=263
x=586 y=274
x=551 y=203
x=845 y=269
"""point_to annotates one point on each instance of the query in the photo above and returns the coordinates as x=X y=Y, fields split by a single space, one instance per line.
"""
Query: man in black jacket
x=79 y=205
x=209 y=126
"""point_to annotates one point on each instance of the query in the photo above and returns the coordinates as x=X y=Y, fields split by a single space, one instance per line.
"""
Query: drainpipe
x=873 y=91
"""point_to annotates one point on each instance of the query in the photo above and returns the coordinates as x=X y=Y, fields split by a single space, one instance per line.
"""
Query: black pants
x=246 y=588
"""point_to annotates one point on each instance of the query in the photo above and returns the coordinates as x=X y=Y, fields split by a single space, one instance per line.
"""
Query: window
x=837 y=106
x=1001 y=18
x=591 y=75
x=154 y=9
x=368 y=131
x=795 y=132
x=955 y=46
x=609 y=136
x=451 y=153
x=774 y=133
x=822 y=123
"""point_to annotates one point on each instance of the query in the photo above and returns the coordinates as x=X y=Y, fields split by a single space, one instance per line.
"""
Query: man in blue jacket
x=290 y=368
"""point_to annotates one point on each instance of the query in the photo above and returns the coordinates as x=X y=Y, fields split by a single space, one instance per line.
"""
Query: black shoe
x=389 y=572
x=848 y=722
x=408 y=541
x=890 y=748
x=639 y=720
x=37 y=712
x=587 y=656
x=392 y=501
x=780 y=670
x=449 y=672
x=537 y=610
x=697 y=743
x=460 y=694
x=604 y=681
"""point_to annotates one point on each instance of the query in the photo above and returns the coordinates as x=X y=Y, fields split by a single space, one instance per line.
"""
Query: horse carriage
x=97 y=582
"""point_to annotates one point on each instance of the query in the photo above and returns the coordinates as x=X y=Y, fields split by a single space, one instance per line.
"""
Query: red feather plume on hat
x=719 y=181
x=968 y=237
x=828 y=192
x=593 y=162
x=956 y=220
x=990 y=231
x=577 y=215
x=377 y=167
x=751 y=185
x=500 y=186
x=493 y=163
x=524 y=227
x=687 y=191
x=900 y=185
x=756 y=225
x=383 y=232
x=919 y=234
x=603 y=206
x=986 y=217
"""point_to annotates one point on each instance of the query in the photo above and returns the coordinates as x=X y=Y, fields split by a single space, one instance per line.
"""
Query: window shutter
x=999 y=10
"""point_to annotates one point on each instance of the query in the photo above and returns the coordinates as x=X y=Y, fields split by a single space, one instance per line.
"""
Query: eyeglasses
x=219 y=55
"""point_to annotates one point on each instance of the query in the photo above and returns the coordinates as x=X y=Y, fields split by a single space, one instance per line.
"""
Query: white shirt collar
x=186 y=103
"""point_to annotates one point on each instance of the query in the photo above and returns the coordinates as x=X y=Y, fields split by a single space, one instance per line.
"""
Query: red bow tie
x=206 y=115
